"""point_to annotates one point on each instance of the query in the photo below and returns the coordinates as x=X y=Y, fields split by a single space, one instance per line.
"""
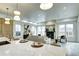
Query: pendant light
x=17 y=13
x=17 y=18
x=46 y=6
x=7 y=20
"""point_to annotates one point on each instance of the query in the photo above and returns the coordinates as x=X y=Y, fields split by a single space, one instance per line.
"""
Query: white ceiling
x=31 y=11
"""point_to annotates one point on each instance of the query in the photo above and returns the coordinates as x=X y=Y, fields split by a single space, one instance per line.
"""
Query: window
x=69 y=30
x=41 y=30
x=33 y=30
x=61 y=30
x=18 y=29
x=66 y=29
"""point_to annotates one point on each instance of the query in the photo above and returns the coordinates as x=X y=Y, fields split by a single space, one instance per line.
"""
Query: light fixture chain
x=17 y=5
x=7 y=11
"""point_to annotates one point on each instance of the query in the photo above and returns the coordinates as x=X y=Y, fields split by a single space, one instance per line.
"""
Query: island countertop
x=25 y=49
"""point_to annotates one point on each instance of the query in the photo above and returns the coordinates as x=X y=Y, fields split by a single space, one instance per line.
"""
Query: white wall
x=78 y=29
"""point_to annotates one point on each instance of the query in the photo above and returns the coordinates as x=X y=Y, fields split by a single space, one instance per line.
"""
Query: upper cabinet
x=6 y=29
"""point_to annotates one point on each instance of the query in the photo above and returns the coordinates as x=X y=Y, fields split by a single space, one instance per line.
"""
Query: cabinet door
x=8 y=29
x=1 y=22
x=0 y=28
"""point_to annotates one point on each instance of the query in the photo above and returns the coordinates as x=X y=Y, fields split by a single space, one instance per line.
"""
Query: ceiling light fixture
x=17 y=18
x=46 y=6
x=7 y=20
x=64 y=8
x=17 y=14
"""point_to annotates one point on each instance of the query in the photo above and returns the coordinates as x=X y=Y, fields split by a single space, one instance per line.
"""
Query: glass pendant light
x=17 y=18
x=7 y=20
x=17 y=14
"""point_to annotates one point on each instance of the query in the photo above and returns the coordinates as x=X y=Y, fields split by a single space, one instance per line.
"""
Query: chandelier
x=7 y=20
x=46 y=6
x=17 y=18
x=17 y=14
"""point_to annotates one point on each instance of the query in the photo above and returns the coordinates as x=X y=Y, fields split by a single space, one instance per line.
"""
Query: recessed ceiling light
x=64 y=8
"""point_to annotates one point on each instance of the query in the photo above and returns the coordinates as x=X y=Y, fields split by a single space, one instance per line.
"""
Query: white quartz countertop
x=3 y=39
x=25 y=49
